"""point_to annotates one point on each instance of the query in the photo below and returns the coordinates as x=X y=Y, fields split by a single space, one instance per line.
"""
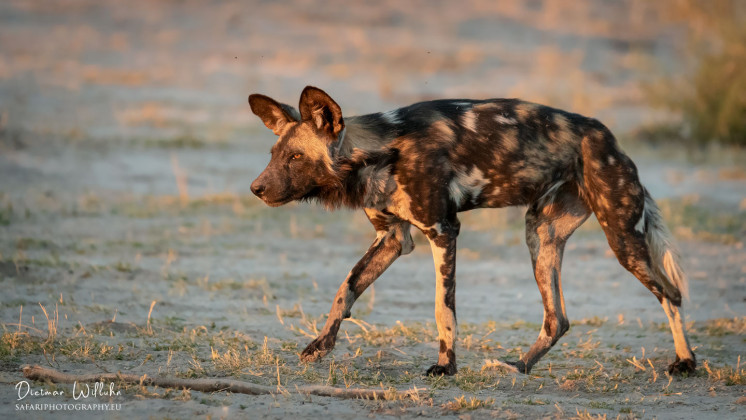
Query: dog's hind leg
x=549 y=223
x=635 y=252
x=393 y=239
x=636 y=233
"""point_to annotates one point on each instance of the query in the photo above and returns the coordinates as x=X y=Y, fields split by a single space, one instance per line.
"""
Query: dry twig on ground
x=211 y=385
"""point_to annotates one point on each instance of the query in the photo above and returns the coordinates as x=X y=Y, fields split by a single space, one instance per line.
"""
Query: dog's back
x=489 y=153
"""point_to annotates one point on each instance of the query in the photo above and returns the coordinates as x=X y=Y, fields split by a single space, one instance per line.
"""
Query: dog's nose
x=257 y=189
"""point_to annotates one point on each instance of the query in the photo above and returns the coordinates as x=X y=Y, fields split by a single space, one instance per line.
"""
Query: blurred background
x=181 y=71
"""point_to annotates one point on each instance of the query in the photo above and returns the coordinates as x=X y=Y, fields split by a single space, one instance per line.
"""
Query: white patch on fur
x=611 y=160
x=464 y=183
x=463 y=105
x=457 y=195
x=501 y=119
x=469 y=120
x=391 y=117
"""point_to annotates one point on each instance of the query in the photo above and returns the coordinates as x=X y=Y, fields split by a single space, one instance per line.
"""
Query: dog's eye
x=297 y=156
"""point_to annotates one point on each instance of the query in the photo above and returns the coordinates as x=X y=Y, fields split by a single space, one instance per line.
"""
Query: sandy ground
x=126 y=151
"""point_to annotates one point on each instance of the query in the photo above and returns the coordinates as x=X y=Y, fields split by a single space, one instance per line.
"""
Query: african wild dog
x=422 y=164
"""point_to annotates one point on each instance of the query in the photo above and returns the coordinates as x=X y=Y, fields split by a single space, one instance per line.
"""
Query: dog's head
x=301 y=159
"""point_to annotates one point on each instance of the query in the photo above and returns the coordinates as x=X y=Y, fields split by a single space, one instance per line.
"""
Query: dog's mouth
x=277 y=203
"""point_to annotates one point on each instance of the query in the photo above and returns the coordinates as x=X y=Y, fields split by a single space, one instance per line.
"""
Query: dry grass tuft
x=724 y=326
x=727 y=374
x=461 y=403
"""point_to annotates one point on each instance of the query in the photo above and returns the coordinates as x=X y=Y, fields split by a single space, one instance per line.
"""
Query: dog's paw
x=680 y=366
x=317 y=349
x=438 y=370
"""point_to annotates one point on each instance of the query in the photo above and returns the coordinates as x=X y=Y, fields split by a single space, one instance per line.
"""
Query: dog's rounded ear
x=273 y=114
x=318 y=107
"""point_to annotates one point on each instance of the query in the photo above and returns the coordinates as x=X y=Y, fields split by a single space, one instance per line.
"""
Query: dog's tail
x=630 y=216
x=663 y=253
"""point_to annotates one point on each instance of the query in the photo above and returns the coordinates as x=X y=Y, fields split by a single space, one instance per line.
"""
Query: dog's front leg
x=386 y=248
x=443 y=245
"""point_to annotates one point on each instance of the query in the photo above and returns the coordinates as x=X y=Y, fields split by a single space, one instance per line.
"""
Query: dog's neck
x=359 y=156
x=362 y=133
x=356 y=179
